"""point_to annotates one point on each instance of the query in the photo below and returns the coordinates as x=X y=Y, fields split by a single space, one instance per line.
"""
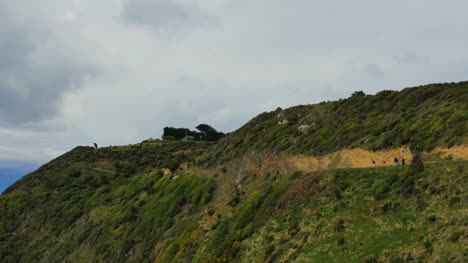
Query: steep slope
x=421 y=118
x=249 y=198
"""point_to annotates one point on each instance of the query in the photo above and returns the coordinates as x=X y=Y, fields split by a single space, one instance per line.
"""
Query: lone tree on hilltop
x=205 y=133
x=358 y=93
x=209 y=133
x=177 y=133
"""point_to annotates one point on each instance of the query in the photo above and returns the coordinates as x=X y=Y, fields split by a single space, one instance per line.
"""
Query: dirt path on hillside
x=456 y=153
x=348 y=158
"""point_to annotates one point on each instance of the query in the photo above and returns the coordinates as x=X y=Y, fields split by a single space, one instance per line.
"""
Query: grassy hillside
x=122 y=160
x=421 y=117
x=170 y=201
x=389 y=214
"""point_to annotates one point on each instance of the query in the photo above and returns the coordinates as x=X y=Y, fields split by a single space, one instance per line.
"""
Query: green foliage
x=248 y=231
x=173 y=165
x=125 y=169
x=358 y=93
x=422 y=118
x=124 y=222
x=136 y=216
x=171 y=253
x=379 y=188
x=205 y=133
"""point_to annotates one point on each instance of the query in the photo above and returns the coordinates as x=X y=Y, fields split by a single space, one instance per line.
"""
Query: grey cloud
x=412 y=57
x=163 y=13
x=229 y=61
x=30 y=90
x=33 y=95
x=374 y=70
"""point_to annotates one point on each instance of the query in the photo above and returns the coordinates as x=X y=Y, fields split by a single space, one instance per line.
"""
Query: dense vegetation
x=157 y=202
x=390 y=214
x=422 y=118
x=105 y=221
x=205 y=133
x=123 y=160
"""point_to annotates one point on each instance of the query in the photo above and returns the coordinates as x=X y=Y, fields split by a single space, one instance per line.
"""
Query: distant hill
x=292 y=185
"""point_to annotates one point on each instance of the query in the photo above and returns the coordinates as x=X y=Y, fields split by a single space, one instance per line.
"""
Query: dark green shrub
x=417 y=164
x=125 y=169
x=454 y=200
x=379 y=188
x=455 y=236
x=173 y=165
x=341 y=241
x=104 y=180
x=337 y=192
x=74 y=173
x=269 y=250
x=340 y=225
x=407 y=186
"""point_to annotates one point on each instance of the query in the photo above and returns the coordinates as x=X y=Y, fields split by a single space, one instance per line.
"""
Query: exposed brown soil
x=208 y=220
x=456 y=153
x=348 y=158
x=300 y=189
x=263 y=163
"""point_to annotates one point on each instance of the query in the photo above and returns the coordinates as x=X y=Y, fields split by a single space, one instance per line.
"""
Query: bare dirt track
x=347 y=158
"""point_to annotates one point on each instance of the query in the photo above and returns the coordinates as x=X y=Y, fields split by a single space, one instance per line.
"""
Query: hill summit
x=369 y=178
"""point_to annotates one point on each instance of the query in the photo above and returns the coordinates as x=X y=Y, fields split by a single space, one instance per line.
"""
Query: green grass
x=336 y=217
x=421 y=117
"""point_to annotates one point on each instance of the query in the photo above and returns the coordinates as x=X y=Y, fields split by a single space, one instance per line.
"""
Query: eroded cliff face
x=263 y=163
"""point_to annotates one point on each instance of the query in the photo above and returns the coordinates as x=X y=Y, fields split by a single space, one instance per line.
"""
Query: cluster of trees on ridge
x=205 y=133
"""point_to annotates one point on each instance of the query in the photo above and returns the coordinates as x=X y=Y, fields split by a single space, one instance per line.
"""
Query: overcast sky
x=73 y=72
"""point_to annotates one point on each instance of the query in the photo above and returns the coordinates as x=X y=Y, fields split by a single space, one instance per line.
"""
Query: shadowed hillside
x=283 y=188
